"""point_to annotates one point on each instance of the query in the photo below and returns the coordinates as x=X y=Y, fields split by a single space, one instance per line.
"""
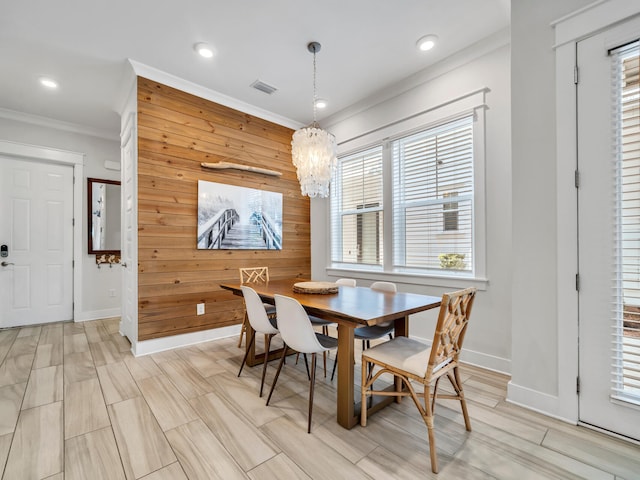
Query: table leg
x=249 y=334
x=345 y=411
x=254 y=358
x=401 y=328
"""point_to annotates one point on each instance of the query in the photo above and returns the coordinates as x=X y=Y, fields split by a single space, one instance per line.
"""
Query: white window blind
x=433 y=199
x=356 y=209
x=626 y=128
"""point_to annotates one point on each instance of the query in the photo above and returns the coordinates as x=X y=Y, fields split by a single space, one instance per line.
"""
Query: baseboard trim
x=156 y=345
x=536 y=401
x=97 y=315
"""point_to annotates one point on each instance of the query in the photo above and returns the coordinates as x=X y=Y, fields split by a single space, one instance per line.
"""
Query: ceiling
x=367 y=46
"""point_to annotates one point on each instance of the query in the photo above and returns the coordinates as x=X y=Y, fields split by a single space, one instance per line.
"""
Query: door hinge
x=578 y=385
x=576 y=75
x=73 y=222
x=577 y=178
x=577 y=282
x=73 y=263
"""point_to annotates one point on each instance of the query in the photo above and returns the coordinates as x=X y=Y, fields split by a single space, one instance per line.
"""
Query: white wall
x=95 y=302
x=535 y=345
x=488 y=341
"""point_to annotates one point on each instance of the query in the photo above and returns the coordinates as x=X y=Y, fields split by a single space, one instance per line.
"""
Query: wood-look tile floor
x=75 y=404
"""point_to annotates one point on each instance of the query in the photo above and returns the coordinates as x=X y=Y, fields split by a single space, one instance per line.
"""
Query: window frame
x=472 y=104
x=357 y=212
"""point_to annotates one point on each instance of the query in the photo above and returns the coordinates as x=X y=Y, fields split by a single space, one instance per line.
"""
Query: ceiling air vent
x=263 y=87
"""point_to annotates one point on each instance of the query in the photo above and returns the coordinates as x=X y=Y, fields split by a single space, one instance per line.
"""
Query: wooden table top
x=351 y=305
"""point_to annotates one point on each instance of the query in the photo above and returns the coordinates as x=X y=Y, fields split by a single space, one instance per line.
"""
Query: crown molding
x=479 y=49
x=194 y=89
x=57 y=124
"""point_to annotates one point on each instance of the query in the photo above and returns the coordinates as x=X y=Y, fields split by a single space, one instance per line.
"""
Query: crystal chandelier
x=314 y=150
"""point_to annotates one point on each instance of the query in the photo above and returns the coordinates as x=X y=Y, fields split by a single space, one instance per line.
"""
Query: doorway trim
x=570 y=29
x=75 y=159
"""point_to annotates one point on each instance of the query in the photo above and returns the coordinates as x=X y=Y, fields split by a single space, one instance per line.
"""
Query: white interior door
x=36 y=215
x=609 y=242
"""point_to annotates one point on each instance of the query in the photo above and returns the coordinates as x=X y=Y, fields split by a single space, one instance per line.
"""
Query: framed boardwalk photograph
x=238 y=218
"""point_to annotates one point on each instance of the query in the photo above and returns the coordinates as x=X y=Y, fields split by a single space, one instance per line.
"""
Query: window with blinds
x=433 y=199
x=357 y=209
x=626 y=321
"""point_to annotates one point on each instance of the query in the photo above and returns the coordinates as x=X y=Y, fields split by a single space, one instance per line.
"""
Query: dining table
x=349 y=308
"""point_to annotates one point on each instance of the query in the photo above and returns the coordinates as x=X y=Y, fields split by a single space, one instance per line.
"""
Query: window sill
x=374 y=274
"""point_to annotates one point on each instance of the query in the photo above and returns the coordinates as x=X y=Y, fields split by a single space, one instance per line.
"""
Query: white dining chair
x=261 y=323
x=298 y=334
x=374 y=332
x=324 y=324
x=254 y=275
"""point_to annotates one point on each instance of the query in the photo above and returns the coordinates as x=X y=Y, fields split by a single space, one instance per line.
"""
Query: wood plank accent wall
x=176 y=132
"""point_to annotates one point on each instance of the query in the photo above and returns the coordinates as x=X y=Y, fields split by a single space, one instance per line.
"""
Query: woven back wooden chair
x=411 y=360
x=254 y=275
x=249 y=276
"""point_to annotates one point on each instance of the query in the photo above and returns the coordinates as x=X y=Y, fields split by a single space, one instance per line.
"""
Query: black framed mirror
x=103 y=216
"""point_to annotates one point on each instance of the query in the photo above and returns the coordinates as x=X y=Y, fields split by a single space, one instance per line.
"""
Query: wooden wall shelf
x=238 y=166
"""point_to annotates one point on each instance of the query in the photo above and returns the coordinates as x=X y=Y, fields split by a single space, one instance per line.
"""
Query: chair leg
x=243 y=330
x=463 y=402
x=267 y=344
x=311 y=385
x=324 y=363
x=306 y=364
x=364 y=387
x=428 y=419
x=246 y=354
x=335 y=363
x=435 y=390
x=275 y=379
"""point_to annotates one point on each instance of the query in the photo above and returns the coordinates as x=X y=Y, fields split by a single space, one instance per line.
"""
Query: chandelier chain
x=313 y=150
x=314 y=87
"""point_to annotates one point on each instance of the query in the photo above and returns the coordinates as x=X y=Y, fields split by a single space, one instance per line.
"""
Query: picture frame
x=231 y=217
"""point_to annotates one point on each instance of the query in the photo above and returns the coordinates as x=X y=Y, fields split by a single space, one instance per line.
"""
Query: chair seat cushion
x=402 y=353
x=319 y=321
x=372 y=332
x=326 y=341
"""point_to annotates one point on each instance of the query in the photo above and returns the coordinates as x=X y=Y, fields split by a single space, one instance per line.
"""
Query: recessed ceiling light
x=321 y=103
x=48 y=82
x=204 y=50
x=427 y=42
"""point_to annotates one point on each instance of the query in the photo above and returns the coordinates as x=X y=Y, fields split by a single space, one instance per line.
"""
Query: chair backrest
x=349 y=282
x=384 y=287
x=254 y=275
x=255 y=311
x=450 y=330
x=295 y=327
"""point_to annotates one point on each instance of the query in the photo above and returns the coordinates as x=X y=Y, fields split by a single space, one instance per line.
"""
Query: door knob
x=6 y=264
